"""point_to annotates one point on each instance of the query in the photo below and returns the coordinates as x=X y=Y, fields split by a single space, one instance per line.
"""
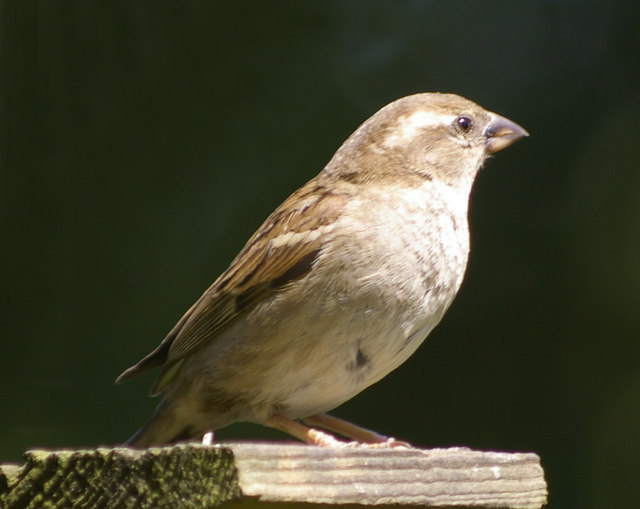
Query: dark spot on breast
x=359 y=364
x=361 y=359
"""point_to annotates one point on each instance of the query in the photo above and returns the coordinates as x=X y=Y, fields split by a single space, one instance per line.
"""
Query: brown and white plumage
x=340 y=284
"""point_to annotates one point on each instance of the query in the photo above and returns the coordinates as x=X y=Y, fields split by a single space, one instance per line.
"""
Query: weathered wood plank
x=273 y=475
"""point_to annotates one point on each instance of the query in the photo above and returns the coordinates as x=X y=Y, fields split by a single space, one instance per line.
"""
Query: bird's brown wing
x=282 y=250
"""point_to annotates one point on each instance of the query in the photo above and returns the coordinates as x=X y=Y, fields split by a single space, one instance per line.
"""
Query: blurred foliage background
x=143 y=142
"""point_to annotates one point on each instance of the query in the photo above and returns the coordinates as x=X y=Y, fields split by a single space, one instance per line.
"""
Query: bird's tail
x=163 y=427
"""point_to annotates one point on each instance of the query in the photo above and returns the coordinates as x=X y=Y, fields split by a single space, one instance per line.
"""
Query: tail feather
x=162 y=428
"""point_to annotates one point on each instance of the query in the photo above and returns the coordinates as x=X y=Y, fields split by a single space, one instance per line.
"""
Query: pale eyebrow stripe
x=408 y=126
x=425 y=118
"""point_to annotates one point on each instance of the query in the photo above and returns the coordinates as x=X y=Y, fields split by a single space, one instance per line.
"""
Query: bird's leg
x=302 y=432
x=364 y=436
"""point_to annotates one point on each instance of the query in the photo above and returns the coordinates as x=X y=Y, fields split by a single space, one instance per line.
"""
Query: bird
x=337 y=288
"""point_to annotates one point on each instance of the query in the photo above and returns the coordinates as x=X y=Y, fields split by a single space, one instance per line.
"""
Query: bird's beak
x=501 y=132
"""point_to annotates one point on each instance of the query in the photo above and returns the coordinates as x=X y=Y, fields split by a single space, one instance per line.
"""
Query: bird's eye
x=463 y=123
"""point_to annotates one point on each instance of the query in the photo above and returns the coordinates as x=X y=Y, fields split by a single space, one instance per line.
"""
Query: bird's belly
x=371 y=300
x=315 y=354
x=347 y=371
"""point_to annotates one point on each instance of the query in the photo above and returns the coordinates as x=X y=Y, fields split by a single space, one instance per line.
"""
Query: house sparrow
x=338 y=287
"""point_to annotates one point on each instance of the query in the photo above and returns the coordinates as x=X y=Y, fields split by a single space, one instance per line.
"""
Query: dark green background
x=143 y=142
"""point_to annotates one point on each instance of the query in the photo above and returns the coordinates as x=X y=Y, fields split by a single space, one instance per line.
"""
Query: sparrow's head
x=440 y=136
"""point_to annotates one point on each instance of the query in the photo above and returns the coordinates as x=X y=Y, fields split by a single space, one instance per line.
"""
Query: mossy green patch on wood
x=179 y=476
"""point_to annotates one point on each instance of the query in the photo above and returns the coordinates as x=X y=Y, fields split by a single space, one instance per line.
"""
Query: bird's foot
x=361 y=437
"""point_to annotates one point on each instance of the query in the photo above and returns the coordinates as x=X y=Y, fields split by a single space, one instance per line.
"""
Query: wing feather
x=282 y=250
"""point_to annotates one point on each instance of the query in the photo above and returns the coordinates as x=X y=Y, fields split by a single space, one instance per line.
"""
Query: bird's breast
x=407 y=248
x=390 y=268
